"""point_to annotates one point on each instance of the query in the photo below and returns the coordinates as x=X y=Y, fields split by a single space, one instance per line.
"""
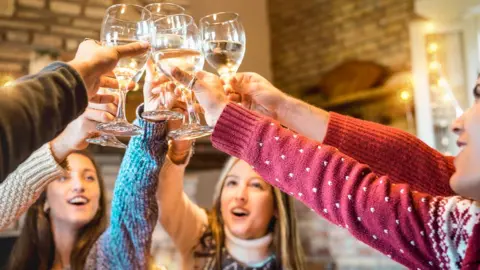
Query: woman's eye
x=63 y=178
x=231 y=183
x=257 y=185
x=91 y=178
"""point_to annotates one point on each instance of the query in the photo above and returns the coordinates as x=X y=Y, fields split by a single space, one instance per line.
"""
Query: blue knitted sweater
x=126 y=242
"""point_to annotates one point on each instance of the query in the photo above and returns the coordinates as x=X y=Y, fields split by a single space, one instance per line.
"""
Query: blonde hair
x=286 y=240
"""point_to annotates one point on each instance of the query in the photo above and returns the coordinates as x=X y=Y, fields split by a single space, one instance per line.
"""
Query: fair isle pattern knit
x=391 y=218
x=126 y=242
x=22 y=187
x=452 y=225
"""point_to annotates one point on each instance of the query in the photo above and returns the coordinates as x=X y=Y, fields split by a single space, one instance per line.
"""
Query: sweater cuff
x=71 y=75
x=40 y=168
x=336 y=130
x=234 y=128
x=153 y=138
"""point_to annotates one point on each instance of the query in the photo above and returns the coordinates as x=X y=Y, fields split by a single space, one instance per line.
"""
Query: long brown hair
x=286 y=239
x=35 y=247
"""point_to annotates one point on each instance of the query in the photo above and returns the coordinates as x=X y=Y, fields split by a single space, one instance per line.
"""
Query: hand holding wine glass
x=177 y=44
x=85 y=126
x=208 y=89
x=94 y=62
x=159 y=91
x=256 y=93
x=125 y=24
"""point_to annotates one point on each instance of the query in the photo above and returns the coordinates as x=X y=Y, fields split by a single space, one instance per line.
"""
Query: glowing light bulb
x=435 y=65
x=123 y=9
x=442 y=82
x=430 y=27
x=8 y=83
x=433 y=47
x=405 y=95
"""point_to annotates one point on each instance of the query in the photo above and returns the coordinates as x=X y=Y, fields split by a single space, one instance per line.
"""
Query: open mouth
x=240 y=212
x=461 y=145
x=78 y=200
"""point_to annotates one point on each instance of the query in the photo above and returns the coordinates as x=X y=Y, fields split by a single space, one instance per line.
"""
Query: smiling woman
x=252 y=225
x=71 y=212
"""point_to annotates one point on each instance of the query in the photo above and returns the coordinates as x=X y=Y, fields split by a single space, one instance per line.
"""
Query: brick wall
x=49 y=26
x=309 y=37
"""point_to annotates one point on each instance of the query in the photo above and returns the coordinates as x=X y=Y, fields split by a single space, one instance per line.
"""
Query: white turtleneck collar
x=249 y=252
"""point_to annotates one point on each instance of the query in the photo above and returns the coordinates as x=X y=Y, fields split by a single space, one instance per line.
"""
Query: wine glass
x=159 y=10
x=123 y=24
x=224 y=42
x=160 y=110
x=177 y=43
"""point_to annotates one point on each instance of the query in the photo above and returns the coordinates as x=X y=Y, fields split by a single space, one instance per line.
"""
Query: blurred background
x=410 y=64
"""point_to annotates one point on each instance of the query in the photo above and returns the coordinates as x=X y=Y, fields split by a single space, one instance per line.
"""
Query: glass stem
x=122 y=96
x=193 y=118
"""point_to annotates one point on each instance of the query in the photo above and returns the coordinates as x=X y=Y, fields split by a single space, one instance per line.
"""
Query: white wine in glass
x=177 y=44
x=160 y=111
x=223 y=55
x=223 y=42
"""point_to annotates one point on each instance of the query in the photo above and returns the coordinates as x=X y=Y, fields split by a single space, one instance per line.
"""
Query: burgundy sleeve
x=414 y=229
x=393 y=152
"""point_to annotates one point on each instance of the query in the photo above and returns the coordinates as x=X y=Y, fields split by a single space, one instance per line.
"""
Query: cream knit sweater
x=22 y=187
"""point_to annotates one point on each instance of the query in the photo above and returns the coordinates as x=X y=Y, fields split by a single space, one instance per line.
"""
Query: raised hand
x=95 y=63
x=84 y=127
x=256 y=93
x=158 y=89
x=208 y=89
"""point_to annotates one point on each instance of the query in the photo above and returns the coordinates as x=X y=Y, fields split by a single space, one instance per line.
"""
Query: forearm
x=35 y=110
x=308 y=120
x=408 y=226
x=389 y=151
x=182 y=219
x=126 y=243
x=23 y=186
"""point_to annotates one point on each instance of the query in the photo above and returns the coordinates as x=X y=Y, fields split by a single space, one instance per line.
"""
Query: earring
x=46 y=207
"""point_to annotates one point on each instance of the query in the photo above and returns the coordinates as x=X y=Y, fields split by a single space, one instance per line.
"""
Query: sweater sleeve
x=22 y=187
x=183 y=220
x=388 y=151
x=415 y=229
x=35 y=110
x=126 y=242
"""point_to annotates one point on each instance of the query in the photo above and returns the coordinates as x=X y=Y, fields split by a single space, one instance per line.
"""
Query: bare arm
x=181 y=218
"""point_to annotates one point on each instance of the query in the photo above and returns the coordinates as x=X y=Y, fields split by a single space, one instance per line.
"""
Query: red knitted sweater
x=416 y=229
x=390 y=151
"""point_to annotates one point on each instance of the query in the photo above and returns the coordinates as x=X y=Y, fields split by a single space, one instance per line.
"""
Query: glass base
x=120 y=127
x=107 y=140
x=161 y=115
x=190 y=132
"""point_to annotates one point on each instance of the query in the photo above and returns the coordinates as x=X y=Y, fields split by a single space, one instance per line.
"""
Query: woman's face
x=74 y=198
x=247 y=202
x=466 y=179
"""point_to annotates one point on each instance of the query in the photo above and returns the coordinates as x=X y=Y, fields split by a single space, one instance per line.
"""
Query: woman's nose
x=457 y=126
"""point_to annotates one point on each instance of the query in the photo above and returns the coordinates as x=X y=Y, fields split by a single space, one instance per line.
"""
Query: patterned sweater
x=416 y=229
x=126 y=242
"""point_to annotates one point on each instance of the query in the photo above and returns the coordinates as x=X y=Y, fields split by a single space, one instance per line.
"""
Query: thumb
x=132 y=49
x=238 y=83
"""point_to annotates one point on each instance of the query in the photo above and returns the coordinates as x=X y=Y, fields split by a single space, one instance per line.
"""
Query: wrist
x=284 y=108
x=179 y=157
x=85 y=72
x=217 y=113
x=60 y=150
